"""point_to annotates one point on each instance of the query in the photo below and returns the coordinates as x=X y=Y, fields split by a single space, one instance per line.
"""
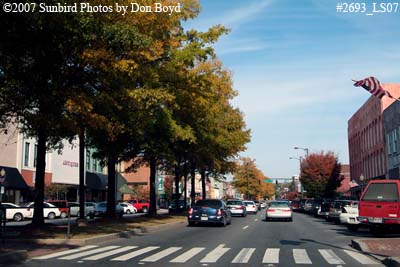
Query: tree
x=320 y=174
x=247 y=178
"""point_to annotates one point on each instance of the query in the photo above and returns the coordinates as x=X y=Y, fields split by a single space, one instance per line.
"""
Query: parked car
x=209 y=211
x=263 y=203
x=278 y=210
x=250 y=206
x=62 y=205
x=257 y=204
x=379 y=207
x=326 y=206
x=349 y=216
x=237 y=207
x=295 y=204
x=336 y=209
x=101 y=209
x=16 y=212
x=141 y=205
x=128 y=208
x=74 y=209
x=49 y=210
x=173 y=207
x=308 y=205
x=301 y=206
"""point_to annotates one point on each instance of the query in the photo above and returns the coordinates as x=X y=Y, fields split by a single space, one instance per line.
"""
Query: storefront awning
x=99 y=181
x=13 y=179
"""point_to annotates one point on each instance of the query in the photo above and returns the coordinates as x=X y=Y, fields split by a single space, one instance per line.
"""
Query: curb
x=359 y=245
x=392 y=262
x=13 y=257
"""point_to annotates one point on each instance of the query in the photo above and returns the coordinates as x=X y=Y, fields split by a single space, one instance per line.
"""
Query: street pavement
x=249 y=241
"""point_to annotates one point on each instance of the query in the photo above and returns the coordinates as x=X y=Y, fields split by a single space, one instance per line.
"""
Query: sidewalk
x=385 y=249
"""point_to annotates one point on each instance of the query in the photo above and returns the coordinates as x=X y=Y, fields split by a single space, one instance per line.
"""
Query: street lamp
x=303 y=148
x=300 y=159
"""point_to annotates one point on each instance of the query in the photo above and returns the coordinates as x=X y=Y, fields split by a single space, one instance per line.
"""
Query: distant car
x=295 y=204
x=16 y=212
x=128 y=208
x=336 y=210
x=326 y=206
x=237 y=207
x=101 y=209
x=49 y=210
x=62 y=205
x=349 y=216
x=278 y=210
x=250 y=206
x=263 y=204
x=308 y=205
x=257 y=204
x=75 y=208
x=173 y=208
x=209 y=211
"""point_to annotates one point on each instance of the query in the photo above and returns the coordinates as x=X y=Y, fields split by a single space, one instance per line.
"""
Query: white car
x=128 y=208
x=250 y=206
x=278 y=210
x=49 y=210
x=15 y=212
x=349 y=217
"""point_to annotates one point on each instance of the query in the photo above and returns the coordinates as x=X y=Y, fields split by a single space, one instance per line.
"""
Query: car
x=379 y=206
x=263 y=203
x=141 y=205
x=49 y=210
x=250 y=206
x=349 y=216
x=336 y=209
x=210 y=211
x=16 y=212
x=101 y=209
x=62 y=205
x=308 y=205
x=278 y=210
x=237 y=207
x=74 y=208
x=128 y=208
x=326 y=205
x=173 y=208
x=257 y=204
x=295 y=204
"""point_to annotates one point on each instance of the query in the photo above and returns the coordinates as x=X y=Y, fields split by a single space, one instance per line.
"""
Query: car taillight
x=287 y=210
x=190 y=211
x=241 y=207
x=219 y=212
x=269 y=210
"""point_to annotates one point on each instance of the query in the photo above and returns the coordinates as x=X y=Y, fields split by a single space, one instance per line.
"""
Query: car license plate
x=204 y=217
x=377 y=220
x=352 y=220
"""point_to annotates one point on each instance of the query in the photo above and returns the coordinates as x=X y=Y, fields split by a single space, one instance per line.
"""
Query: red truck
x=142 y=205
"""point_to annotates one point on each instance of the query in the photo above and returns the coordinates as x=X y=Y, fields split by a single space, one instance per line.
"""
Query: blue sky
x=292 y=63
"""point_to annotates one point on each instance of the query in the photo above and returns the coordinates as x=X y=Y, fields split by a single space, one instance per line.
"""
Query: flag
x=373 y=86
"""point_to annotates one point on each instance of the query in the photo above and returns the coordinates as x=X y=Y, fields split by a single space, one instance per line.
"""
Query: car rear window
x=279 y=205
x=209 y=203
x=234 y=202
x=382 y=192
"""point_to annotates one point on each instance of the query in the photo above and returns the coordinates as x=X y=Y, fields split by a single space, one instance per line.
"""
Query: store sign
x=72 y=164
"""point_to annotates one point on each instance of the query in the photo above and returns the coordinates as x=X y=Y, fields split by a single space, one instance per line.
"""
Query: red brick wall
x=28 y=177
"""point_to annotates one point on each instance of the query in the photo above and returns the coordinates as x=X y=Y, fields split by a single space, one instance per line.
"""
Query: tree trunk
x=185 y=177
x=177 y=178
x=38 y=220
x=111 y=187
x=153 y=201
x=82 y=174
x=203 y=184
x=193 y=182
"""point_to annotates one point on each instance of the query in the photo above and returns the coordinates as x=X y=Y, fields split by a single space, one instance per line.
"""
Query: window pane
x=26 y=156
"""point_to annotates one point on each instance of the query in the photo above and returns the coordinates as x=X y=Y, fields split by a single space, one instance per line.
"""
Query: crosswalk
x=152 y=254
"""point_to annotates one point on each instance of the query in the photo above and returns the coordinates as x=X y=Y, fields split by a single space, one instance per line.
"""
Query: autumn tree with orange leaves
x=320 y=174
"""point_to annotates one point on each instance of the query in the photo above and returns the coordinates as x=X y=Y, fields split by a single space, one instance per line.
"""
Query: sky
x=292 y=63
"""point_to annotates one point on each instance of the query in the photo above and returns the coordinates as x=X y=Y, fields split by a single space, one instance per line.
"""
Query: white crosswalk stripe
x=271 y=255
x=360 y=257
x=161 y=254
x=134 y=254
x=330 y=256
x=244 y=255
x=87 y=253
x=187 y=255
x=215 y=254
x=109 y=253
x=300 y=256
x=62 y=253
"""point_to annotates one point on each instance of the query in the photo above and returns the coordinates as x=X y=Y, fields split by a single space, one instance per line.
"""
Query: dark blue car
x=209 y=211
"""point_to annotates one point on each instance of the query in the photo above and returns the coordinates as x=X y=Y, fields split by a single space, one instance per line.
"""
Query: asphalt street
x=249 y=241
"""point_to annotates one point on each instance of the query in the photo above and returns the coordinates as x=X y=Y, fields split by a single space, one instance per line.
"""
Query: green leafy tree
x=320 y=174
x=247 y=179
